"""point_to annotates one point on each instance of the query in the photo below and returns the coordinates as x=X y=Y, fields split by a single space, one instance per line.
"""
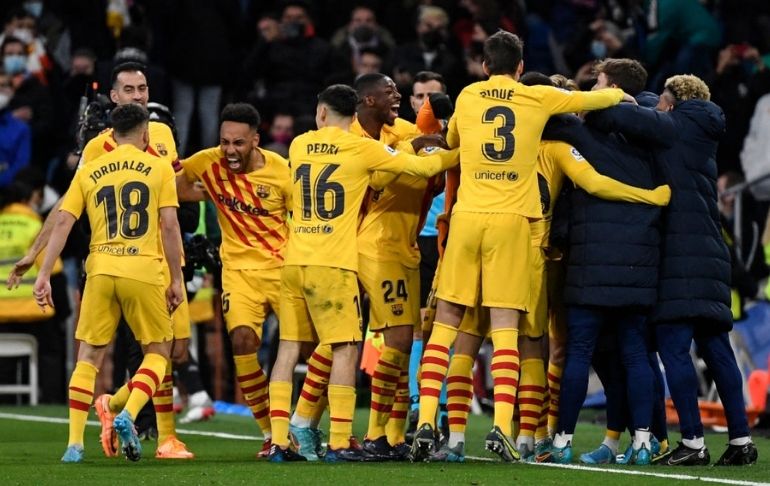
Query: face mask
x=293 y=30
x=34 y=8
x=282 y=138
x=4 y=99
x=24 y=35
x=598 y=49
x=431 y=39
x=15 y=64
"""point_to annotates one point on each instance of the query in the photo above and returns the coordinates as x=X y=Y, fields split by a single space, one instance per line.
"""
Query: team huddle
x=301 y=238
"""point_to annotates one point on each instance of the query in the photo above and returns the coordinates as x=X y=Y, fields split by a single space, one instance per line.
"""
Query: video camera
x=93 y=117
x=200 y=253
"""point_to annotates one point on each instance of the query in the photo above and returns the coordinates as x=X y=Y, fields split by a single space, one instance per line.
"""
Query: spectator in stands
x=292 y=65
x=31 y=102
x=430 y=52
x=367 y=62
x=15 y=138
x=281 y=134
x=362 y=32
x=52 y=30
x=23 y=26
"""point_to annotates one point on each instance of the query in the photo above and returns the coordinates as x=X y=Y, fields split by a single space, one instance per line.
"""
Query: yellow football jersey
x=388 y=230
x=252 y=208
x=330 y=170
x=122 y=192
x=161 y=144
x=555 y=160
x=498 y=124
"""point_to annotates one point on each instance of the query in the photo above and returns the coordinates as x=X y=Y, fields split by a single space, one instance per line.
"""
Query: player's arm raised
x=646 y=124
x=580 y=171
x=559 y=101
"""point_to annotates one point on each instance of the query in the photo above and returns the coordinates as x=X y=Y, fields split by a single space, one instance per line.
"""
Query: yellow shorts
x=394 y=293
x=557 y=313
x=487 y=253
x=475 y=321
x=320 y=304
x=534 y=323
x=143 y=306
x=180 y=319
x=248 y=296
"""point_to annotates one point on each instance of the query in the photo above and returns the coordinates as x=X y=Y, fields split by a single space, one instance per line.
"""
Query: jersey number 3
x=503 y=132
x=328 y=196
x=134 y=219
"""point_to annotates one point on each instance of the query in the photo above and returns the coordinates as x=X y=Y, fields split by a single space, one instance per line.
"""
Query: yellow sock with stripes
x=319 y=367
x=280 y=404
x=542 y=426
x=397 y=420
x=435 y=362
x=81 y=394
x=119 y=399
x=505 y=375
x=459 y=395
x=384 y=384
x=254 y=387
x=163 y=401
x=554 y=386
x=145 y=382
x=320 y=407
x=342 y=406
x=530 y=395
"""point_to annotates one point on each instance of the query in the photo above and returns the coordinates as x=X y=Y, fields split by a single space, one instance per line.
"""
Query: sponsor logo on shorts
x=397 y=309
x=496 y=175
x=318 y=229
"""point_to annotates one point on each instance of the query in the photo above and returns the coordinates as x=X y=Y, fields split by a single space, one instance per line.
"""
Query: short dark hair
x=340 y=98
x=125 y=67
x=534 y=78
x=366 y=82
x=628 y=74
x=503 y=52
x=241 y=113
x=425 y=76
x=9 y=39
x=127 y=118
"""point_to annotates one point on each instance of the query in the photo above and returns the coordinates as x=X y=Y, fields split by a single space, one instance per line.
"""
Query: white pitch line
x=224 y=435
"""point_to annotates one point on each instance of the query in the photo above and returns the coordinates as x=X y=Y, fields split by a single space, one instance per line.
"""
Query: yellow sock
x=384 y=384
x=81 y=394
x=342 y=406
x=435 y=362
x=542 y=426
x=319 y=367
x=459 y=392
x=554 y=386
x=119 y=399
x=612 y=434
x=254 y=387
x=163 y=401
x=320 y=407
x=145 y=382
x=505 y=373
x=280 y=405
x=397 y=420
x=530 y=395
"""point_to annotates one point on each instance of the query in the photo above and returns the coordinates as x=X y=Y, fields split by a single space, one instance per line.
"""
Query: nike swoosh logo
x=673 y=461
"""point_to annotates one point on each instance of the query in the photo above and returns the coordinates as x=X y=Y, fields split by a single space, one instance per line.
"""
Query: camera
x=200 y=253
x=93 y=118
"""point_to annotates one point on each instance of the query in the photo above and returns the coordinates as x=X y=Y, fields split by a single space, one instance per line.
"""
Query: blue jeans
x=584 y=325
x=674 y=341
x=207 y=102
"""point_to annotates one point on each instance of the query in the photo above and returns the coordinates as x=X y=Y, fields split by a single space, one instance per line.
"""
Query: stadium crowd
x=643 y=255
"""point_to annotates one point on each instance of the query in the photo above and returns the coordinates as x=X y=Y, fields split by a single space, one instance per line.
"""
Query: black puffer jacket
x=614 y=247
x=695 y=263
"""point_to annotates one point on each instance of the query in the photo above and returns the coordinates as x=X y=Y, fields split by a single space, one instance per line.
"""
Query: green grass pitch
x=30 y=452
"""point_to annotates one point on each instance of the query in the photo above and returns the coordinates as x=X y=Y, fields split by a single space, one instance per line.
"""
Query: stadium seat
x=17 y=346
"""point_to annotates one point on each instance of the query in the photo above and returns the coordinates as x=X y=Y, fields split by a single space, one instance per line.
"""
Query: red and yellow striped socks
x=505 y=374
x=530 y=399
x=459 y=395
x=280 y=405
x=342 y=406
x=554 y=386
x=254 y=387
x=163 y=401
x=384 y=384
x=81 y=394
x=435 y=362
x=398 y=414
x=319 y=367
x=145 y=382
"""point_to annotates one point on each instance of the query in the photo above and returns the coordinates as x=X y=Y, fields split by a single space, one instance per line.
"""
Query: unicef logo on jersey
x=496 y=175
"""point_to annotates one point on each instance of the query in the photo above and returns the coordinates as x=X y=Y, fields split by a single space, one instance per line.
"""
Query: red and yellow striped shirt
x=252 y=208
